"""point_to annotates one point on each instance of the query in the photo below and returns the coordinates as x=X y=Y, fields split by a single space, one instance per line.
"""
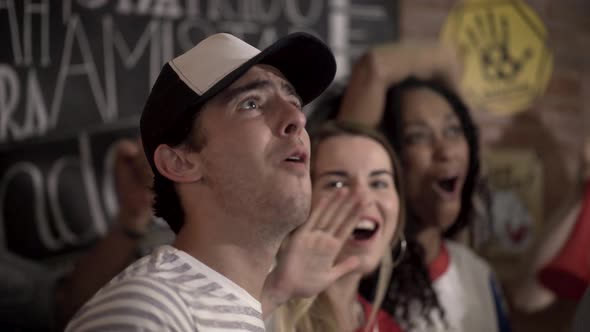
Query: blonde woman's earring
x=401 y=251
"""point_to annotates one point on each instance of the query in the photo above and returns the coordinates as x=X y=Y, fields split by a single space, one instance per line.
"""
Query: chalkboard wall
x=74 y=76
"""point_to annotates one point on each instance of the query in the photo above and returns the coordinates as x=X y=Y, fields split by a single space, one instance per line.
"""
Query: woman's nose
x=443 y=149
x=363 y=191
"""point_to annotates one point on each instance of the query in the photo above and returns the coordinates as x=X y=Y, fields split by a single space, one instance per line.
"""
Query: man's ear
x=178 y=164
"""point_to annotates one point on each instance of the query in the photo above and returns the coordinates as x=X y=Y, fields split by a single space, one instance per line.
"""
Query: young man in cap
x=224 y=132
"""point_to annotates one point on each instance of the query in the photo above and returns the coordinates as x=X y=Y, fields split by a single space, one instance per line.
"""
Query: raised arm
x=388 y=64
x=118 y=247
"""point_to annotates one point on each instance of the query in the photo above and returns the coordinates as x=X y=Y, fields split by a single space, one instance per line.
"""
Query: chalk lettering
x=41 y=9
x=49 y=188
x=241 y=30
x=192 y=8
x=75 y=32
x=267 y=36
x=156 y=8
x=66 y=11
x=218 y=10
x=36 y=121
x=143 y=7
x=114 y=41
x=9 y=97
x=92 y=4
x=167 y=33
x=63 y=231
x=266 y=15
x=201 y=28
x=338 y=36
x=124 y=7
x=38 y=203
x=167 y=9
x=14 y=33
x=296 y=16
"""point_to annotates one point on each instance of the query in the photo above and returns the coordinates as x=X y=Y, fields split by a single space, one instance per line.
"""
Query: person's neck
x=431 y=240
x=343 y=295
x=231 y=253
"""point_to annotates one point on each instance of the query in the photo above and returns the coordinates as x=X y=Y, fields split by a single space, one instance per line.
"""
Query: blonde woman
x=351 y=159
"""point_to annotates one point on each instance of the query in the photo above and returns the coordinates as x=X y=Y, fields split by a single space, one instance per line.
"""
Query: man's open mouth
x=297 y=157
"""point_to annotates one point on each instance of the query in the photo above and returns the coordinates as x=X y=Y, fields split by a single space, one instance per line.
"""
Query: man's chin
x=299 y=211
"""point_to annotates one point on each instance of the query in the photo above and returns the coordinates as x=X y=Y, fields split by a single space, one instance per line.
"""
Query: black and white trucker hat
x=189 y=80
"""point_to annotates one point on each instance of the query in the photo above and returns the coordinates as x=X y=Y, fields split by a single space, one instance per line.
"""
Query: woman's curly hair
x=411 y=286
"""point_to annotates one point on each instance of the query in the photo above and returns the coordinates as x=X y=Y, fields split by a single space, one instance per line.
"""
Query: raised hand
x=388 y=64
x=133 y=178
x=308 y=260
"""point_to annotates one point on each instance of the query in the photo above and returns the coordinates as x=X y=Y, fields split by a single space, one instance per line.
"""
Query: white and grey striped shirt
x=169 y=290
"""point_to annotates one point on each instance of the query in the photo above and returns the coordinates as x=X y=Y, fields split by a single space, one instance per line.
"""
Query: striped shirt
x=169 y=290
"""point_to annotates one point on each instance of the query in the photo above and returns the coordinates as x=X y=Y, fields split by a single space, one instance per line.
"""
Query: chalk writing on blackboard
x=86 y=62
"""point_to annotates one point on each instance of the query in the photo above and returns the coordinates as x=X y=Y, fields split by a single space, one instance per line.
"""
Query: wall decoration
x=508 y=204
x=506 y=57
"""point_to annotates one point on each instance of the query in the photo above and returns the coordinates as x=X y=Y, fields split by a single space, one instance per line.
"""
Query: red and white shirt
x=467 y=290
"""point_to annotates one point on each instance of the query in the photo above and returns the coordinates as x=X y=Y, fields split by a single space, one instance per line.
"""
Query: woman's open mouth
x=448 y=187
x=448 y=184
x=365 y=230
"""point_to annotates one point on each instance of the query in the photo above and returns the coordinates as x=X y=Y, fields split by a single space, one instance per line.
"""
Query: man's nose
x=292 y=119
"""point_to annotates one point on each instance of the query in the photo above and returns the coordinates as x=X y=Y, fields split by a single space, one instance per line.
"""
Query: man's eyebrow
x=232 y=93
x=333 y=173
x=288 y=87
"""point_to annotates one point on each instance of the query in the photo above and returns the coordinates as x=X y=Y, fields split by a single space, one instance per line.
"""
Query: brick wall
x=556 y=126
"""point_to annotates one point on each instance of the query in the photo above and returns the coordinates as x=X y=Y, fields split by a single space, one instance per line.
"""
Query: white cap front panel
x=211 y=60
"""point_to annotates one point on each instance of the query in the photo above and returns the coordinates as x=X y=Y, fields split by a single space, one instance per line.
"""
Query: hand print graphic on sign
x=491 y=35
x=503 y=45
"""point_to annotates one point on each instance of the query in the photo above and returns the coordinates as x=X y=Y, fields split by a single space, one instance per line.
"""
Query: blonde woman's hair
x=317 y=314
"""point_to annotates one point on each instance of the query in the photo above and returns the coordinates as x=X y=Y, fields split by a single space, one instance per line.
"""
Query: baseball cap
x=188 y=81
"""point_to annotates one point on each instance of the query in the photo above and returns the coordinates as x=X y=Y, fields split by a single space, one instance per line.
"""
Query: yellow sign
x=506 y=60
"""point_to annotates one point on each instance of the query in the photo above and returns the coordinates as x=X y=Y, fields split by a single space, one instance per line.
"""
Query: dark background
x=74 y=76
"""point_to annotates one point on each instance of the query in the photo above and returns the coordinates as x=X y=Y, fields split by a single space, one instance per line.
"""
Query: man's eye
x=250 y=104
